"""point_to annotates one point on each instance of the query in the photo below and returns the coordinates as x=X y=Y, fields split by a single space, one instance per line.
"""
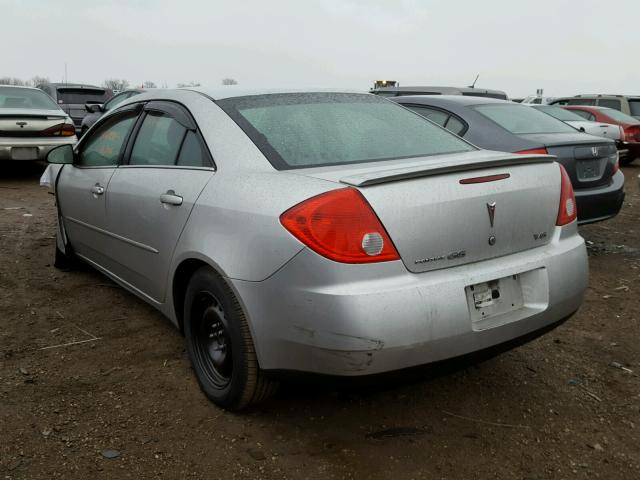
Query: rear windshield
x=619 y=116
x=297 y=130
x=15 y=97
x=522 y=119
x=560 y=113
x=82 y=95
x=634 y=105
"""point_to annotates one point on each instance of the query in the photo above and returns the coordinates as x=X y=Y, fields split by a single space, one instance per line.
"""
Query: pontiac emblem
x=491 y=208
x=21 y=124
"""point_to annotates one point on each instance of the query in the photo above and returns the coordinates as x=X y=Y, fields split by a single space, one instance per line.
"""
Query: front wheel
x=627 y=160
x=220 y=345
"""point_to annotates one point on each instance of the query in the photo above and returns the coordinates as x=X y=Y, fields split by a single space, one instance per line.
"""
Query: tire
x=65 y=262
x=220 y=345
x=626 y=161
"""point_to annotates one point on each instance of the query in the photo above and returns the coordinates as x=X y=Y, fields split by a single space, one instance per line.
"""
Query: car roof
x=449 y=99
x=451 y=90
x=19 y=86
x=221 y=93
x=75 y=85
x=598 y=95
x=591 y=107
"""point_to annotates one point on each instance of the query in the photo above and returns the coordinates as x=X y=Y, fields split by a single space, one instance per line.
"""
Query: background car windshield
x=319 y=129
x=12 y=97
x=619 y=116
x=82 y=95
x=561 y=114
x=521 y=119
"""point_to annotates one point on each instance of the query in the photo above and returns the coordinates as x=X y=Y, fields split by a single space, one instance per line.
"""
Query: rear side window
x=82 y=95
x=192 y=153
x=158 y=140
x=584 y=114
x=436 y=116
x=104 y=146
x=298 y=130
x=444 y=119
x=619 y=116
x=610 y=103
x=580 y=101
x=634 y=106
x=522 y=120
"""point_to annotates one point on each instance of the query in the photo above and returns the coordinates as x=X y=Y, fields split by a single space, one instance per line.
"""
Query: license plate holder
x=24 y=153
x=493 y=298
x=589 y=169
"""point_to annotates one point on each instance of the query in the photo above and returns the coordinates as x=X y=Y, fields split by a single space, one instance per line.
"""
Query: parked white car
x=600 y=129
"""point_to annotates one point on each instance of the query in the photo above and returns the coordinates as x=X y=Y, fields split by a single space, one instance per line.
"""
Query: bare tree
x=190 y=84
x=149 y=84
x=12 y=81
x=38 y=80
x=229 y=81
x=116 y=84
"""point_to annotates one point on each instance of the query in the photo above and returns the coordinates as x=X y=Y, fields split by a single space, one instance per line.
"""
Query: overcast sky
x=566 y=47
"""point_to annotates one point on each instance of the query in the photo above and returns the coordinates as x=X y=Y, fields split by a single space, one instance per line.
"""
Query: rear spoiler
x=430 y=169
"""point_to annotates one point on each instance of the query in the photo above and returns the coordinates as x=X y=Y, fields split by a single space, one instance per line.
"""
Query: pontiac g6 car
x=317 y=232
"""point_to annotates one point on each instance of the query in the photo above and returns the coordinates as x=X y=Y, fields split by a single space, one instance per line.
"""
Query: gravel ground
x=124 y=403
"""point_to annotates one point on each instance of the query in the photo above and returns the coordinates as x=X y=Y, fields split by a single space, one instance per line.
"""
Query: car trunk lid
x=21 y=122
x=589 y=160
x=444 y=212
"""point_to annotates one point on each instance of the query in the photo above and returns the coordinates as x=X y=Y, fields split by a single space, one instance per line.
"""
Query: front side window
x=298 y=130
x=117 y=100
x=521 y=119
x=158 y=140
x=104 y=146
x=26 y=98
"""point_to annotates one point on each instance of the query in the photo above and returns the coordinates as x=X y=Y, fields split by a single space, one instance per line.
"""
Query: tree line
x=117 y=84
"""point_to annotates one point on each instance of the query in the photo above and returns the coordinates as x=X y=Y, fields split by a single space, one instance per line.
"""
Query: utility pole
x=65 y=73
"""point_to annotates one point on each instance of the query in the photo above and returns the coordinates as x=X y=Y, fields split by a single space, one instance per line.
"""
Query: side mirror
x=61 y=154
x=94 y=107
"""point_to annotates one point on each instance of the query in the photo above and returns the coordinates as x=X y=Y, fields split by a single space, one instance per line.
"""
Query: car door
x=82 y=186
x=151 y=196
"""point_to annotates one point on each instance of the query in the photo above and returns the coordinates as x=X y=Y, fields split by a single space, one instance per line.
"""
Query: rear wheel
x=220 y=344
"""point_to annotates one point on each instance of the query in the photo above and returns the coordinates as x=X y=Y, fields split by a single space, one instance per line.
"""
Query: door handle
x=170 y=198
x=97 y=189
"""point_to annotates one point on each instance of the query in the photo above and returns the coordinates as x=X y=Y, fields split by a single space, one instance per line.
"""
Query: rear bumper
x=318 y=316
x=14 y=148
x=629 y=150
x=600 y=203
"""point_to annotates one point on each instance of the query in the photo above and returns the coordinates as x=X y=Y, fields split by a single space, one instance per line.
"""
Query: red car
x=629 y=144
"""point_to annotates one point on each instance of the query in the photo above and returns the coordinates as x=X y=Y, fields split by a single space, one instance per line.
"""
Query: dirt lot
x=560 y=407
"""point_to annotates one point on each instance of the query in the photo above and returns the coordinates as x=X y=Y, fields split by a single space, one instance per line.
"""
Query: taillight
x=567 y=211
x=632 y=134
x=60 y=130
x=535 y=151
x=341 y=226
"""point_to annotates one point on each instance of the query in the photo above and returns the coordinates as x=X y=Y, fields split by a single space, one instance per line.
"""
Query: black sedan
x=591 y=162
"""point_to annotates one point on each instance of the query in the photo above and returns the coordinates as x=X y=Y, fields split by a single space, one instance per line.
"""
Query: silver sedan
x=31 y=124
x=320 y=232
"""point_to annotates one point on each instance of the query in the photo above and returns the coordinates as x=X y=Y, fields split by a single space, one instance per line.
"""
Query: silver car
x=31 y=124
x=318 y=232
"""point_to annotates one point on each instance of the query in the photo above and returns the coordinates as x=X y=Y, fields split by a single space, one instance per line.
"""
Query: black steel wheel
x=220 y=345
